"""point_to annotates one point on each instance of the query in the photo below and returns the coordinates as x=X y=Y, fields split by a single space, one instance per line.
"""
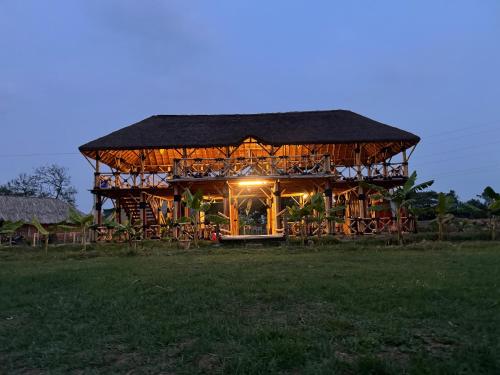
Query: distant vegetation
x=50 y=181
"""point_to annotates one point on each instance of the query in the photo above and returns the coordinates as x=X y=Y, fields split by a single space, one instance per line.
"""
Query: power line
x=495 y=126
x=39 y=154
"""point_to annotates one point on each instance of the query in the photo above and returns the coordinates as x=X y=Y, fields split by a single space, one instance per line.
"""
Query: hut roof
x=312 y=127
x=47 y=210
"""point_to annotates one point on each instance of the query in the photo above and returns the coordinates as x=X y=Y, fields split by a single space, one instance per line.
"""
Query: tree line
x=476 y=208
x=49 y=181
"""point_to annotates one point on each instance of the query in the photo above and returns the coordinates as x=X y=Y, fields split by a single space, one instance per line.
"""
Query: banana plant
x=320 y=213
x=131 y=230
x=82 y=221
x=196 y=204
x=401 y=197
x=300 y=215
x=492 y=208
x=8 y=228
x=43 y=231
x=443 y=215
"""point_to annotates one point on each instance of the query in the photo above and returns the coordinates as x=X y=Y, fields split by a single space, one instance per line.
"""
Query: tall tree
x=51 y=181
x=492 y=200
x=24 y=185
x=55 y=182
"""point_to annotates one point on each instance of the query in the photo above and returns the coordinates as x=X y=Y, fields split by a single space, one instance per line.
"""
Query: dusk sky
x=72 y=71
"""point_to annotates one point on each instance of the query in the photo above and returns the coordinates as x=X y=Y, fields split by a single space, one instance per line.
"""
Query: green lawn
x=346 y=308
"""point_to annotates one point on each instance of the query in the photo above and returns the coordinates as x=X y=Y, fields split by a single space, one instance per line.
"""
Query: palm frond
x=36 y=223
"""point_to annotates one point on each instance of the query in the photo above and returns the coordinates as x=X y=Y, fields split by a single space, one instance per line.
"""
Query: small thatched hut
x=48 y=211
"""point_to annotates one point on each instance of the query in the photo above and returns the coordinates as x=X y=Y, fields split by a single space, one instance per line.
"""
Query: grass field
x=355 y=308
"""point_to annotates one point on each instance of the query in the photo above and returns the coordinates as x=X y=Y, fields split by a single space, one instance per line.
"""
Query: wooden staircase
x=132 y=206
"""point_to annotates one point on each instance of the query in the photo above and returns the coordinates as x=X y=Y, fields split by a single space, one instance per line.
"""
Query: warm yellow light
x=305 y=195
x=251 y=182
x=162 y=151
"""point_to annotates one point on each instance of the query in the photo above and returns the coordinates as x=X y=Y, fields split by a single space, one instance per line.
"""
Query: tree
x=51 y=181
x=8 y=228
x=24 y=185
x=82 y=221
x=443 y=207
x=492 y=201
x=402 y=197
x=55 y=182
x=4 y=190
x=196 y=204
x=43 y=231
x=424 y=203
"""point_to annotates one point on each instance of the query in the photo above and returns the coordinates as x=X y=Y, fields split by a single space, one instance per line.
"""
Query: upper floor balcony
x=274 y=167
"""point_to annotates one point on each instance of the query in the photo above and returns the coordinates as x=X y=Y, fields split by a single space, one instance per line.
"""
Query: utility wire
x=39 y=154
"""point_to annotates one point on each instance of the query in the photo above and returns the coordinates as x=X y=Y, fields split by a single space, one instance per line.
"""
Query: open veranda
x=353 y=307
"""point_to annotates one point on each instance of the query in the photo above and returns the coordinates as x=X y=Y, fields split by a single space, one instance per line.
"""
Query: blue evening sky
x=74 y=70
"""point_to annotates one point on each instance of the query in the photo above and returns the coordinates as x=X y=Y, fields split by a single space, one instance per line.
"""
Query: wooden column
x=98 y=209
x=177 y=204
x=97 y=171
x=269 y=224
x=176 y=210
x=143 y=158
x=142 y=205
x=276 y=208
x=405 y=164
x=225 y=201
x=357 y=157
x=328 y=206
x=361 y=202
x=233 y=214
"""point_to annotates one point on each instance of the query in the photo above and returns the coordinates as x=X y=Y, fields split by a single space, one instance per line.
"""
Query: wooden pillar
x=143 y=158
x=328 y=207
x=357 y=157
x=276 y=208
x=98 y=209
x=269 y=212
x=176 y=210
x=405 y=164
x=327 y=164
x=142 y=206
x=225 y=201
x=97 y=172
x=118 y=211
x=361 y=202
x=177 y=203
x=233 y=214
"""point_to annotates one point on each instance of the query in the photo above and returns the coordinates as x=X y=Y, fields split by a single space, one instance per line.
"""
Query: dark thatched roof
x=314 y=127
x=46 y=210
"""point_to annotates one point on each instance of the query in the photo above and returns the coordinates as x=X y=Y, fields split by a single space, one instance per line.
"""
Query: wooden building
x=48 y=211
x=272 y=158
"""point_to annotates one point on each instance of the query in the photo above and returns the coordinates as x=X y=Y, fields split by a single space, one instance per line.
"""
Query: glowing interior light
x=251 y=183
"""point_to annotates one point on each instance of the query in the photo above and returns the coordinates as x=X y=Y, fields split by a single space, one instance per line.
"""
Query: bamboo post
x=143 y=213
x=405 y=164
x=98 y=209
x=176 y=208
x=276 y=207
x=357 y=157
x=328 y=207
